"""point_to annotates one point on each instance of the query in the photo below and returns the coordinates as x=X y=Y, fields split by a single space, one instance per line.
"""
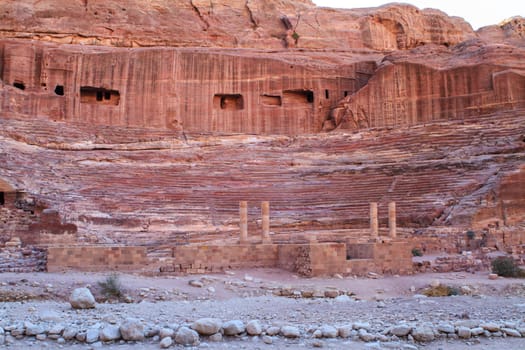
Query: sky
x=477 y=13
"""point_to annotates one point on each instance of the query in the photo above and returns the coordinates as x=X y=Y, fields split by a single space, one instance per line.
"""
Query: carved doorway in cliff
x=5 y=189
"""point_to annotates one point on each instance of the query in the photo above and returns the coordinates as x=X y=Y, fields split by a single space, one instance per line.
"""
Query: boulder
x=290 y=332
x=423 y=333
x=254 y=327
x=92 y=335
x=234 y=327
x=464 y=332
x=511 y=332
x=132 y=329
x=110 y=333
x=81 y=298
x=346 y=331
x=166 y=342
x=446 y=328
x=328 y=331
x=166 y=332
x=400 y=330
x=491 y=326
x=207 y=326
x=273 y=330
x=186 y=336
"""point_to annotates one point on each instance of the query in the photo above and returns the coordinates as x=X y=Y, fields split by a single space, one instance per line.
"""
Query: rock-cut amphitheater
x=195 y=136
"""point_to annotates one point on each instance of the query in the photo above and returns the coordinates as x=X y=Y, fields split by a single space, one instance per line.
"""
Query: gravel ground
x=246 y=295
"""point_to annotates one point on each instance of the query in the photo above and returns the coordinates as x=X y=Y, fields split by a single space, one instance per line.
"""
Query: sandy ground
x=249 y=294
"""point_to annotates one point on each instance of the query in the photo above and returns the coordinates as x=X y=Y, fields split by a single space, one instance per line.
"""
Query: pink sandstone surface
x=145 y=125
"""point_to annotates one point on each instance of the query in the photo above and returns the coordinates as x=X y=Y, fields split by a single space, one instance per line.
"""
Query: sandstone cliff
x=269 y=24
x=146 y=124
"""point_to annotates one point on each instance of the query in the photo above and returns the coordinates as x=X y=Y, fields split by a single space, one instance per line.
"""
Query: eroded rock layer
x=269 y=24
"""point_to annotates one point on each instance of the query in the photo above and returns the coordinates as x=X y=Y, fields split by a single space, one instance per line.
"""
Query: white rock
x=271 y=331
x=345 y=331
x=69 y=333
x=166 y=332
x=109 y=333
x=50 y=316
x=328 y=331
x=267 y=339
x=254 y=327
x=423 y=333
x=196 y=283
x=132 y=329
x=490 y=326
x=56 y=329
x=81 y=298
x=166 y=342
x=511 y=332
x=477 y=331
x=467 y=323
x=446 y=328
x=400 y=330
x=343 y=299
x=217 y=337
x=92 y=335
x=435 y=283
x=365 y=336
x=186 y=336
x=464 y=332
x=361 y=325
x=33 y=329
x=290 y=332
x=207 y=326
x=234 y=327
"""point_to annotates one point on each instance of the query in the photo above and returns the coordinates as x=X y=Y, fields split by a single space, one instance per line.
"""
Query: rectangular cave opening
x=19 y=85
x=327 y=94
x=2 y=198
x=89 y=94
x=229 y=102
x=59 y=90
x=271 y=100
x=298 y=96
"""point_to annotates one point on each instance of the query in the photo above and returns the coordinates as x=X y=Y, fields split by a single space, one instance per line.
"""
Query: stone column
x=392 y=219
x=374 y=225
x=265 y=210
x=243 y=226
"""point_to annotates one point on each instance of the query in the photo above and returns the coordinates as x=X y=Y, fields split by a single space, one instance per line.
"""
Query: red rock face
x=268 y=24
x=197 y=90
x=146 y=125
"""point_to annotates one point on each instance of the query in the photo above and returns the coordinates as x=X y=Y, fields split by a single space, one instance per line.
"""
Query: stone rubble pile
x=215 y=330
x=18 y=259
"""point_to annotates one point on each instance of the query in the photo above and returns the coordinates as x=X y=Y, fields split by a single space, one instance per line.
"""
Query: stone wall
x=383 y=258
x=314 y=259
x=100 y=258
x=215 y=258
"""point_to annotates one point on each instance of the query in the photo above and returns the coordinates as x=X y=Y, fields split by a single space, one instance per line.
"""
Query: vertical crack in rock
x=255 y=25
x=201 y=17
